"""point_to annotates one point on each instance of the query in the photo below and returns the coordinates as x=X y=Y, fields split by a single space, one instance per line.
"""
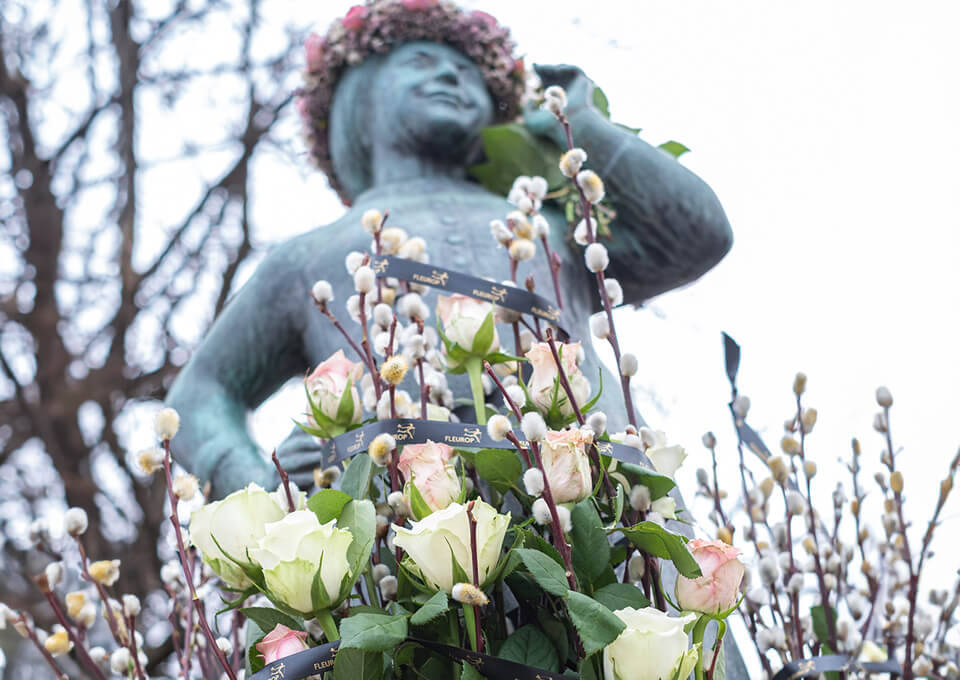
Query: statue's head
x=418 y=76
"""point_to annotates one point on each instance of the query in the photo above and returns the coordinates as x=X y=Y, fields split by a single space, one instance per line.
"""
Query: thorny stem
x=32 y=635
x=476 y=574
x=284 y=481
x=185 y=564
x=77 y=642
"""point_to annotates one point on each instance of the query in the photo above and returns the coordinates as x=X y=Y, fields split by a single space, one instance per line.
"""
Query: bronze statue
x=409 y=123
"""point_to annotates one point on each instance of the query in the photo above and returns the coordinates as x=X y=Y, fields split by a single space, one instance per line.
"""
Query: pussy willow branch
x=78 y=643
x=32 y=636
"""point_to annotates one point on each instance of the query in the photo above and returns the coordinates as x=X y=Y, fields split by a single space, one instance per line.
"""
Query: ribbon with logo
x=517 y=299
x=319 y=659
x=464 y=435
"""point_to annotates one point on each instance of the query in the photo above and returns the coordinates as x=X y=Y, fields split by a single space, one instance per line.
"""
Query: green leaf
x=556 y=631
x=621 y=595
x=820 y=628
x=591 y=547
x=675 y=149
x=418 y=506
x=512 y=150
x=432 y=608
x=532 y=539
x=548 y=574
x=372 y=632
x=254 y=635
x=268 y=618
x=597 y=625
x=327 y=504
x=471 y=673
x=357 y=664
x=600 y=102
x=360 y=519
x=654 y=539
x=528 y=645
x=345 y=406
x=659 y=485
x=501 y=467
x=484 y=337
x=357 y=476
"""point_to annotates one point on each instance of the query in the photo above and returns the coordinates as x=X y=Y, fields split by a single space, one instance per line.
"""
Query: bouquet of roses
x=523 y=539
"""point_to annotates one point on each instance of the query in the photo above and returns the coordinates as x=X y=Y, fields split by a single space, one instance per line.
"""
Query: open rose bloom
x=462 y=317
x=427 y=467
x=719 y=588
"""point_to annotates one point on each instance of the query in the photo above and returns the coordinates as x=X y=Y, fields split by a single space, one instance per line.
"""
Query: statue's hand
x=579 y=90
x=299 y=455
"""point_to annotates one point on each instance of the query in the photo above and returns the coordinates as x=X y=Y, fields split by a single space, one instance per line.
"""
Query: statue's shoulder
x=318 y=248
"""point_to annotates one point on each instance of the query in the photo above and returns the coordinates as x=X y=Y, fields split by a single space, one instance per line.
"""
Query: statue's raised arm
x=669 y=228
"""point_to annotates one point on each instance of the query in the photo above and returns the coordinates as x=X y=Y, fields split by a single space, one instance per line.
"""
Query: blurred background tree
x=101 y=298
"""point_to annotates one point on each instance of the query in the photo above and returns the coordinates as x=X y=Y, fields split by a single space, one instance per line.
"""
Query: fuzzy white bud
x=185 y=487
x=741 y=406
x=526 y=340
x=322 y=292
x=541 y=512
x=596 y=257
x=541 y=228
x=636 y=567
x=614 y=291
x=120 y=661
x=75 y=521
x=555 y=99
x=467 y=593
x=640 y=498
x=566 y=521
x=498 y=427
x=533 y=426
x=501 y=234
x=517 y=395
x=591 y=184
x=353 y=260
x=533 y=481
x=597 y=421
x=629 y=364
x=131 y=605
x=383 y=315
x=571 y=161
x=580 y=234
x=372 y=221
x=53 y=573
x=884 y=397
x=396 y=501
x=522 y=249
x=388 y=587
x=364 y=279
x=600 y=326
x=166 y=423
x=381 y=447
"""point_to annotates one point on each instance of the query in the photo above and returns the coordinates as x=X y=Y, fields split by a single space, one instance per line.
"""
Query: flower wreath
x=378 y=26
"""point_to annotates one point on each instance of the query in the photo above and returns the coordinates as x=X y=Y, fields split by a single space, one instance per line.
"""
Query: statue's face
x=431 y=98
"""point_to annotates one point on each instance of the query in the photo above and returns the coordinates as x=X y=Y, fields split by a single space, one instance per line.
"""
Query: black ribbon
x=807 y=668
x=518 y=299
x=319 y=659
x=466 y=435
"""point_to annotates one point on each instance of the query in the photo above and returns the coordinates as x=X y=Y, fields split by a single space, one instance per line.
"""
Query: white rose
x=666 y=459
x=462 y=318
x=238 y=523
x=431 y=541
x=293 y=550
x=653 y=646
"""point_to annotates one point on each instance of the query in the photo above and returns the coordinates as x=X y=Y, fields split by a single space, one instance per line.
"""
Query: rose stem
x=594 y=453
x=478 y=635
x=188 y=576
x=284 y=480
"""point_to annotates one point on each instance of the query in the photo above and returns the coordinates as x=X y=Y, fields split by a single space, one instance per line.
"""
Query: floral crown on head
x=380 y=25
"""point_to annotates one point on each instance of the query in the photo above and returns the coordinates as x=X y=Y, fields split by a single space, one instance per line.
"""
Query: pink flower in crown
x=281 y=642
x=313 y=48
x=415 y=5
x=488 y=19
x=427 y=466
x=328 y=382
x=718 y=588
x=356 y=18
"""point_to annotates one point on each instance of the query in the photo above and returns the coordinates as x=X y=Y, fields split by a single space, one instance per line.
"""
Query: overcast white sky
x=829 y=131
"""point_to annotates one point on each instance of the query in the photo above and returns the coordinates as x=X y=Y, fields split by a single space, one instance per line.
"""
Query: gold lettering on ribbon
x=435 y=278
x=551 y=312
x=404 y=431
x=380 y=266
x=495 y=294
x=357 y=444
x=327 y=663
x=276 y=673
x=604 y=447
x=471 y=435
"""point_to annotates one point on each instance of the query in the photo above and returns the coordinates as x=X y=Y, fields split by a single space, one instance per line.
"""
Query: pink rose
x=566 y=465
x=419 y=4
x=545 y=373
x=281 y=642
x=355 y=18
x=427 y=467
x=462 y=318
x=313 y=47
x=328 y=382
x=718 y=589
